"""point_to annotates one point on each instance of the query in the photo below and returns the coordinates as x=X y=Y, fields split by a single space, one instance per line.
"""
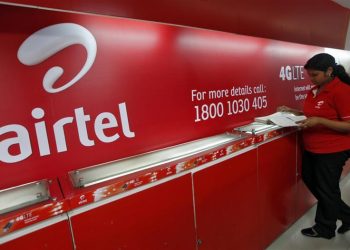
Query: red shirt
x=333 y=103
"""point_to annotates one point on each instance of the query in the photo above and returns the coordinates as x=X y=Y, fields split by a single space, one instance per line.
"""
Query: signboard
x=79 y=89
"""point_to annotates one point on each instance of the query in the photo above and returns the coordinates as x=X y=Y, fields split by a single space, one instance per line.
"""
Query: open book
x=283 y=119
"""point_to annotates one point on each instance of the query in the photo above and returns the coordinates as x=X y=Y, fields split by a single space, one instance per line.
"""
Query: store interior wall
x=347 y=42
x=345 y=4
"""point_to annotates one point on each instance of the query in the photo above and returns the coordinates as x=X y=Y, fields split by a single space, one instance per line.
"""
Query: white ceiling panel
x=344 y=3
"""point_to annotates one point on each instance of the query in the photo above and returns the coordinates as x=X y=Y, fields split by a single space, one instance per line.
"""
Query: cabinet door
x=226 y=201
x=53 y=237
x=160 y=217
x=277 y=186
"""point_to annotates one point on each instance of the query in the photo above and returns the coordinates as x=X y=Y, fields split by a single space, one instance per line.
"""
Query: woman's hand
x=283 y=109
x=339 y=126
x=289 y=110
x=310 y=122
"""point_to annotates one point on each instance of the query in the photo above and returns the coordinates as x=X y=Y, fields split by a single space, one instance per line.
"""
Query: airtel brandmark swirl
x=48 y=41
x=35 y=49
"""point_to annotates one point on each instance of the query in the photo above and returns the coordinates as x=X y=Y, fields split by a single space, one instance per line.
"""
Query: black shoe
x=311 y=232
x=343 y=228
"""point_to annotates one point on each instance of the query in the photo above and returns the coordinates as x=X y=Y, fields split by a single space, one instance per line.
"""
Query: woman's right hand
x=289 y=110
x=284 y=109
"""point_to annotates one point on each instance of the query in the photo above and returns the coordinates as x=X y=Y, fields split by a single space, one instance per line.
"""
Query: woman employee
x=326 y=138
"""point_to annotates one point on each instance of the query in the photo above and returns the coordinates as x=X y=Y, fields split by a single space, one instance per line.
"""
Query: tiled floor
x=292 y=239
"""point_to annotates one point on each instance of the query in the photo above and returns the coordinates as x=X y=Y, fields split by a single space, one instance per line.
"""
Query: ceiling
x=344 y=3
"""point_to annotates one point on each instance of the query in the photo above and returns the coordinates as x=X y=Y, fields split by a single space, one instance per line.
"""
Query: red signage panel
x=79 y=89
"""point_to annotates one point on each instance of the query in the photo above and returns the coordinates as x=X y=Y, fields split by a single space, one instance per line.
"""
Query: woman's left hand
x=310 y=122
x=339 y=126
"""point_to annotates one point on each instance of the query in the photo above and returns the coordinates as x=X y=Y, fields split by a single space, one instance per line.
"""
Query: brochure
x=283 y=119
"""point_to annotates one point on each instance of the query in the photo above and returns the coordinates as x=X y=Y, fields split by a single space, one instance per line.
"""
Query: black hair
x=323 y=61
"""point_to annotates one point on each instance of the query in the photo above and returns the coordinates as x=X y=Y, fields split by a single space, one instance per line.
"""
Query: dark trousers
x=321 y=174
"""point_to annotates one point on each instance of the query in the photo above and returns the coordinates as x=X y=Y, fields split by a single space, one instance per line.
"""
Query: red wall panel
x=277 y=186
x=304 y=198
x=151 y=68
x=316 y=22
x=226 y=200
x=158 y=218
x=54 y=237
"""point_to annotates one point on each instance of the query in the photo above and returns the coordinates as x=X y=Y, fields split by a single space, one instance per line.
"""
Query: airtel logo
x=319 y=104
x=48 y=41
x=90 y=130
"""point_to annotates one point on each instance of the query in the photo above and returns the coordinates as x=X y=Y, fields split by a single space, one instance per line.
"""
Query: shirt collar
x=329 y=86
x=332 y=84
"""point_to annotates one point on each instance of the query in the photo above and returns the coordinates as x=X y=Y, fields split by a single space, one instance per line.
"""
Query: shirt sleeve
x=342 y=102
